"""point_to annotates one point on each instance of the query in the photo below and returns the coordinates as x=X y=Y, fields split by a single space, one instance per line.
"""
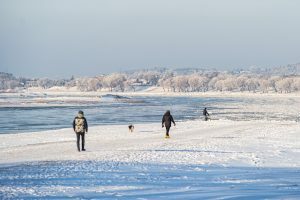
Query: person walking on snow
x=166 y=121
x=80 y=127
x=205 y=114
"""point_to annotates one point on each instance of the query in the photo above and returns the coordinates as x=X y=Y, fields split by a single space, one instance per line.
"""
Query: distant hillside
x=278 y=79
x=288 y=70
x=293 y=69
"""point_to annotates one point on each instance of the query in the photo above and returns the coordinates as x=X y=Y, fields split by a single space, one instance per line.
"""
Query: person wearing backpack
x=80 y=127
x=166 y=121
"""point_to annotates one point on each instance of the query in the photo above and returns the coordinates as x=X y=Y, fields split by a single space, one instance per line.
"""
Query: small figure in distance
x=166 y=121
x=131 y=128
x=80 y=127
x=205 y=114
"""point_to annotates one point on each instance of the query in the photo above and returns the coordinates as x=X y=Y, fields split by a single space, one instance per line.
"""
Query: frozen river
x=27 y=117
x=40 y=112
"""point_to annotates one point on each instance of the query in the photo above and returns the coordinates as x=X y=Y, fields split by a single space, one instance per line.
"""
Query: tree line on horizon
x=170 y=81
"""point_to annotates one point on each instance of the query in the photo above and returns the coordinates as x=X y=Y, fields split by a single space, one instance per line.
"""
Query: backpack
x=79 y=125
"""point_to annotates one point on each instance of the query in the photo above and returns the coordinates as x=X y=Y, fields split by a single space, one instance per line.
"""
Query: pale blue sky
x=59 y=38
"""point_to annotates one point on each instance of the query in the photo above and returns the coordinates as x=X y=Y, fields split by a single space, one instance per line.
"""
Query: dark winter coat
x=205 y=113
x=167 y=119
x=80 y=124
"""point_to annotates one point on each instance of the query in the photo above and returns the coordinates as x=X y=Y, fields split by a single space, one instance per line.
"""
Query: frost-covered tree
x=219 y=85
x=241 y=82
x=296 y=84
x=82 y=84
x=45 y=83
x=229 y=84
x=9 y=84
x=203 y=84
x=128 y=85
x=115 y=81
x=284 y=85
x=94 y=84
x=272 y=82
x=194 y=82
x=151 y=77
x=169 y=84
x=181 y=83
x=264 y=85
x=212 y=83
x=252 y=84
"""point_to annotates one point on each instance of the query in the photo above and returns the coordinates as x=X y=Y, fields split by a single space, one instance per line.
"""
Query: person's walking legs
x=82 y=141
x=78 y=141
x=167 y=131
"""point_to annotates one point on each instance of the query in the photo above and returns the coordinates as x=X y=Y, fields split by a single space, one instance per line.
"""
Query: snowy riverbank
x=216 y=159
x=228 y=143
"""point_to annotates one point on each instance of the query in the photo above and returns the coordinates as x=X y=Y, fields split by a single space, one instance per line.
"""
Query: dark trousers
x=167 y=130
x=78 y=140
x=206 y=118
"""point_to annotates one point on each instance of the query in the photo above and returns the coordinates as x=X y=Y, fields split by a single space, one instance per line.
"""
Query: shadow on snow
x=114 y=180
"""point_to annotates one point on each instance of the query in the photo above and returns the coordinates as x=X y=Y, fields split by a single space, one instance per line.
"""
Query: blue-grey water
x=141 y=110
x=113 y=180
x=28 y=117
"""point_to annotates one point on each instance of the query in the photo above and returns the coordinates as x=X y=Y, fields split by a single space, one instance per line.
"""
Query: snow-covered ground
x=253 y=156
x=228 y=143
x=114 y=180
x=216 y=159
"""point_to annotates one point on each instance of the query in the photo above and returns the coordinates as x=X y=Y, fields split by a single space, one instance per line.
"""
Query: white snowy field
x=202 y=160
x=218 y=142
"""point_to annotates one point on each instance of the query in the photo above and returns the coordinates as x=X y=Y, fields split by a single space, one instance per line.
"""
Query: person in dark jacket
x=205 y=114
x=166 y=121
x=80 y=127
